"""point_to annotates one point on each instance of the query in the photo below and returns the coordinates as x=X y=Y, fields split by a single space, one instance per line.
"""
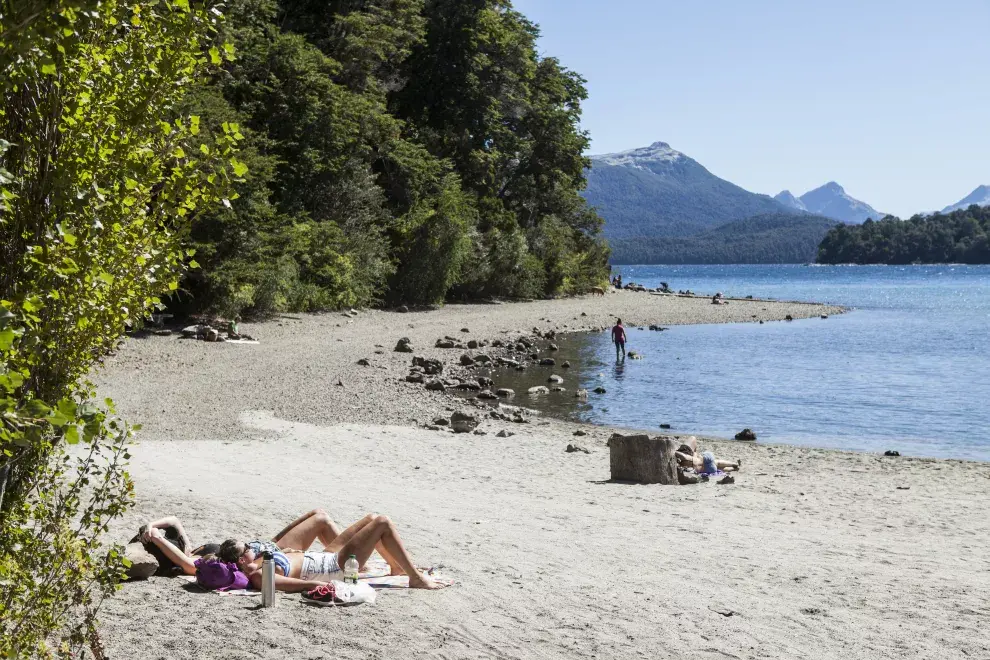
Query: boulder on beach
x=576 y=448
x=467 y=360
x=482 y=358
x=484 y=381
x=504 y=434
x=473 y=344
x=467 y=386
x=416 y=378
x=143 y=563
x=487 y=395
x=436 y=386
x=430 y=366
x=463 y=422
x=643 y=459
x=441 y=421
x=746 y=434
x=445 y=343
x=404 y=345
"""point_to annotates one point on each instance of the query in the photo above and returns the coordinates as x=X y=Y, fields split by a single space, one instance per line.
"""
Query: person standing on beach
x=619 y=339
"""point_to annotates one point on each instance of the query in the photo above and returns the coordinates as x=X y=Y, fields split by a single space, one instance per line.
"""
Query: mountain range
x=662 y=206
x=830 y=201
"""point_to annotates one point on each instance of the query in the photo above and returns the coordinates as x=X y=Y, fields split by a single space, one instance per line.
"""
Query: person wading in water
x=619 y=339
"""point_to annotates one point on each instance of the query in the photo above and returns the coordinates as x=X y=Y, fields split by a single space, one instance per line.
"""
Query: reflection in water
x=620 y=368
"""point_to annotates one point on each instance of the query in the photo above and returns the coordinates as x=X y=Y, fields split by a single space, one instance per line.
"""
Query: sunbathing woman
x=297 y=535
x=308 y=569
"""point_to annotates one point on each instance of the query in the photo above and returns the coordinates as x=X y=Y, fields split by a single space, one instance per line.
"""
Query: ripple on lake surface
x=907 y=369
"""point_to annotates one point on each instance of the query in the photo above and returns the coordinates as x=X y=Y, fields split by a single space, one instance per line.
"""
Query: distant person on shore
x=619 y=339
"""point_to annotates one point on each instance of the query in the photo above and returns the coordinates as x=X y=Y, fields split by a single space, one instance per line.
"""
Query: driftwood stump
x=643 y=459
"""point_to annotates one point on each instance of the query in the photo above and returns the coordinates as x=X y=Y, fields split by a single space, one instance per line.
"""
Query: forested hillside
x=396 y=151
x=765 y=239
x=962 y=236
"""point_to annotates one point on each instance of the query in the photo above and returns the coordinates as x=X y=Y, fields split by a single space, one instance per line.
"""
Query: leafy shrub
x=90 y=237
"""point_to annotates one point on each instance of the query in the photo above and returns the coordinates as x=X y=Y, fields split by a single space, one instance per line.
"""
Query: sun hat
x=219 y=575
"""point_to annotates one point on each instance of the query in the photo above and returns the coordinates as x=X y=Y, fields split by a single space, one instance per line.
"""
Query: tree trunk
x=643 y=459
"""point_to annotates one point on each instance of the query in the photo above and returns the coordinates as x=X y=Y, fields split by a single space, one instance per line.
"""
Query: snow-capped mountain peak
x=657 y=152
x=980 y=197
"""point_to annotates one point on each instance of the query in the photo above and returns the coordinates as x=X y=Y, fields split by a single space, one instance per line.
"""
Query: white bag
x=354 y=594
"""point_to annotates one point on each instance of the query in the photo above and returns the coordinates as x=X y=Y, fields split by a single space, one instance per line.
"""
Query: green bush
x=90 y=237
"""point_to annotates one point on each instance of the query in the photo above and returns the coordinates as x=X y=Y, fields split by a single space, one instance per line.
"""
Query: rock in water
x=554 y=347
x=599 y=390
x=554 y=378
x=505 y=392
x=746 y=434
x=665 y=426
x=566 y=365
x=403 y=346
x=463 y=422
x=488 y=395
x=581 y=394
x=892 y=452
x=539 y=389
x=635 y=355
x=547 y=362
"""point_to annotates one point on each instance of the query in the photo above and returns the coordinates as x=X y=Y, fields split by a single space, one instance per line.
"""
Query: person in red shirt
x=619 y=339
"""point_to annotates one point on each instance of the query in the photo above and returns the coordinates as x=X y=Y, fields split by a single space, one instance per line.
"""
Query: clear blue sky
x=890 y=99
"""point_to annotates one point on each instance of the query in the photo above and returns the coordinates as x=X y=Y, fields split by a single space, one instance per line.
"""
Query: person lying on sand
x=297 y=536
x=705 y=462
x=309 y=569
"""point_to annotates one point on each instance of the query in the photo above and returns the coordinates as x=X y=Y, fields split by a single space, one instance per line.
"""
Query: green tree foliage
x=962 y=236
x=98 y=180
x=400 y=151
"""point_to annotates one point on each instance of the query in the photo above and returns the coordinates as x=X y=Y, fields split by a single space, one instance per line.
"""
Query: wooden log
x=643 y=459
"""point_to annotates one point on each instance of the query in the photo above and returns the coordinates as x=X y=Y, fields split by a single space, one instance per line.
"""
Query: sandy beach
x=810 y=554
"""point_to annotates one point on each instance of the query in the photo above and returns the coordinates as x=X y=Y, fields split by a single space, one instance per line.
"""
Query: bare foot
x=423 y=582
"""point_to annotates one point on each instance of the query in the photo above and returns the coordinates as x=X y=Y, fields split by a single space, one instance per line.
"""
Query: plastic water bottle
x=267 y=580
x=351 y=570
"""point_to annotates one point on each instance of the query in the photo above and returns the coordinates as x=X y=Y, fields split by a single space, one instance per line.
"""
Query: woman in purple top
x=619 y=339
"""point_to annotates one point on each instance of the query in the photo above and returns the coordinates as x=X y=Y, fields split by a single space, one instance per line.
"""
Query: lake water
x=907 y=369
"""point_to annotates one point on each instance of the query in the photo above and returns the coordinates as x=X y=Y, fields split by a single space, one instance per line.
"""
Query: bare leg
x=381 y=530
x=684 y=460
x=172 y=521
x=345 y=536
x=302 y=531
x=728 y=465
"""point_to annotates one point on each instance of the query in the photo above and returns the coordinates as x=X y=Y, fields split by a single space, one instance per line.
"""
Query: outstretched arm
x=282 y=583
